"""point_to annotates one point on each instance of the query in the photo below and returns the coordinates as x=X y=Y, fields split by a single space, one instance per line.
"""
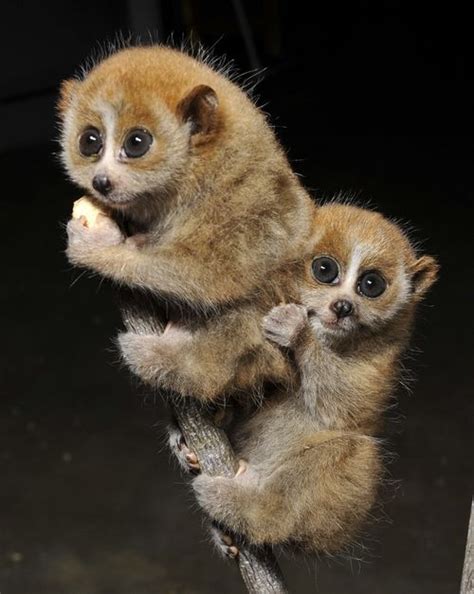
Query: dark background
x=372 y=98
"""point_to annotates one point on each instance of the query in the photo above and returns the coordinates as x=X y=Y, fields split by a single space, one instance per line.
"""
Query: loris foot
x=141 y=352
x=224 y=543
x=284 y=324
x=151 y=356
x=222 y=498
x=187 y=458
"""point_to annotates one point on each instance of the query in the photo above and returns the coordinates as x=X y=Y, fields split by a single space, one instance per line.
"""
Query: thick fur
x=313 y=462
x=209 y=220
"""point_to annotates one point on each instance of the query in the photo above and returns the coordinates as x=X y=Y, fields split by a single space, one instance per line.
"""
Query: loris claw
x=285 y=323
x=83 y=239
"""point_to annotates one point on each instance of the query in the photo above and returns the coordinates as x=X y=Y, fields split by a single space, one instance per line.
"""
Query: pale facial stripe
x=109 y=120
x=359 y=252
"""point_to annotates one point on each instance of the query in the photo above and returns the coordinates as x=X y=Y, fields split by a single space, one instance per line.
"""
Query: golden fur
x=208 y=220
x=210 y=229
x=312 y=460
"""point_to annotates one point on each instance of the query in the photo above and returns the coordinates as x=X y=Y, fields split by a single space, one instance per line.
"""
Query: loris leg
x=204 y=362
x=204 y=261
x=318 y=495
x=259 y=513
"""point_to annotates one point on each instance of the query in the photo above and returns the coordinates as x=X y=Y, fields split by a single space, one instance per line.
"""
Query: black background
x=370 y=98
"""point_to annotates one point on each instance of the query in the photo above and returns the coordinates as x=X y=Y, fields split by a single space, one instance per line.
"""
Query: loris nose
x=102 y=184
x=342 y=308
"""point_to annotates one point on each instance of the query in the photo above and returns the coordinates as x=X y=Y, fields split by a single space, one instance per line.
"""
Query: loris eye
x=90 y=142
x=325 y=269
x=137 y=143
x=371 y=284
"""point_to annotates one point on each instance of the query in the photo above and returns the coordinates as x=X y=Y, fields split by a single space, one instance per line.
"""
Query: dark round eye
x=137 y=143
x=371 y=284
x=90 y=142
x=325 y=270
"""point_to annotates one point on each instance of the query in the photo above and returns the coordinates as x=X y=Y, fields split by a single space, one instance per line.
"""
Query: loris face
x=362 y=272
x=124 y=141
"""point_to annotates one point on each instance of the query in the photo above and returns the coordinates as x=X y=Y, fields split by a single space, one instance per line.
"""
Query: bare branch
x=467 y=586
x=258 y=567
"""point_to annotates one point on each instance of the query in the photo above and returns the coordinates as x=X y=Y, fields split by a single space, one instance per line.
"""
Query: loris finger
x=76 y=228
x=104 y=232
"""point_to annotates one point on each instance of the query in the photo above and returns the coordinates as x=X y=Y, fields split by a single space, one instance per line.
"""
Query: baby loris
x=310 y=462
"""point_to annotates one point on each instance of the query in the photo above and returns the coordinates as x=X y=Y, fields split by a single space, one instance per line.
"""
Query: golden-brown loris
x=179 y=157
x=311 y=463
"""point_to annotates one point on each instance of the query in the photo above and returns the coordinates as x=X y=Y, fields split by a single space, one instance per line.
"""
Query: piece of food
x=85 y=208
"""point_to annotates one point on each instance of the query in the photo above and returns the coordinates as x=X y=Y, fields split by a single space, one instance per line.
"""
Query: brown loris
x=201 y=210
x=310 y=460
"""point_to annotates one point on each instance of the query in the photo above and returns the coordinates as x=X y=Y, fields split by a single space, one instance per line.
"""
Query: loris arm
x=172 y=270
x=341 y=391
x=201 y=265
x=288 y=326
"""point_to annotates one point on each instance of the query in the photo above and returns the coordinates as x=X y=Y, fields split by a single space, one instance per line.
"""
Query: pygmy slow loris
x=310 y=460
x=205 y=215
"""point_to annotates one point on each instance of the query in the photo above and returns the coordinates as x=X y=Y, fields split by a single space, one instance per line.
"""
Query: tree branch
x=467 y=586
x=258 y=566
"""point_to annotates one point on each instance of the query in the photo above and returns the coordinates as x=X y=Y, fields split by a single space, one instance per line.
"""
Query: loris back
x=203 y=212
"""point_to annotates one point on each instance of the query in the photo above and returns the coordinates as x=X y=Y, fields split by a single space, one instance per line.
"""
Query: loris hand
x=285 y=323
x=83 y=239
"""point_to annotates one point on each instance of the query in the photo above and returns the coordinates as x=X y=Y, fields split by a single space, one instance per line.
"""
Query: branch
x=467 y=586
x=258 y=567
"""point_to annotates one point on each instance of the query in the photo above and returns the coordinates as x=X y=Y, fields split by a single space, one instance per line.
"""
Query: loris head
x=131 y=127
x=362 y=272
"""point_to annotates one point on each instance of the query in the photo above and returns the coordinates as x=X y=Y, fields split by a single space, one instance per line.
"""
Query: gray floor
x=90 y=501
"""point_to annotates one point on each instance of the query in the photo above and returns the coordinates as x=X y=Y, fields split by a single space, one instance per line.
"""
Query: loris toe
x=225 y=544
x=187 y=459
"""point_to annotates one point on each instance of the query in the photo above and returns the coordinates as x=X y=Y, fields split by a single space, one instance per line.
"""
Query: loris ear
x=424 y=274
x=66 y=92
x=200 y=107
